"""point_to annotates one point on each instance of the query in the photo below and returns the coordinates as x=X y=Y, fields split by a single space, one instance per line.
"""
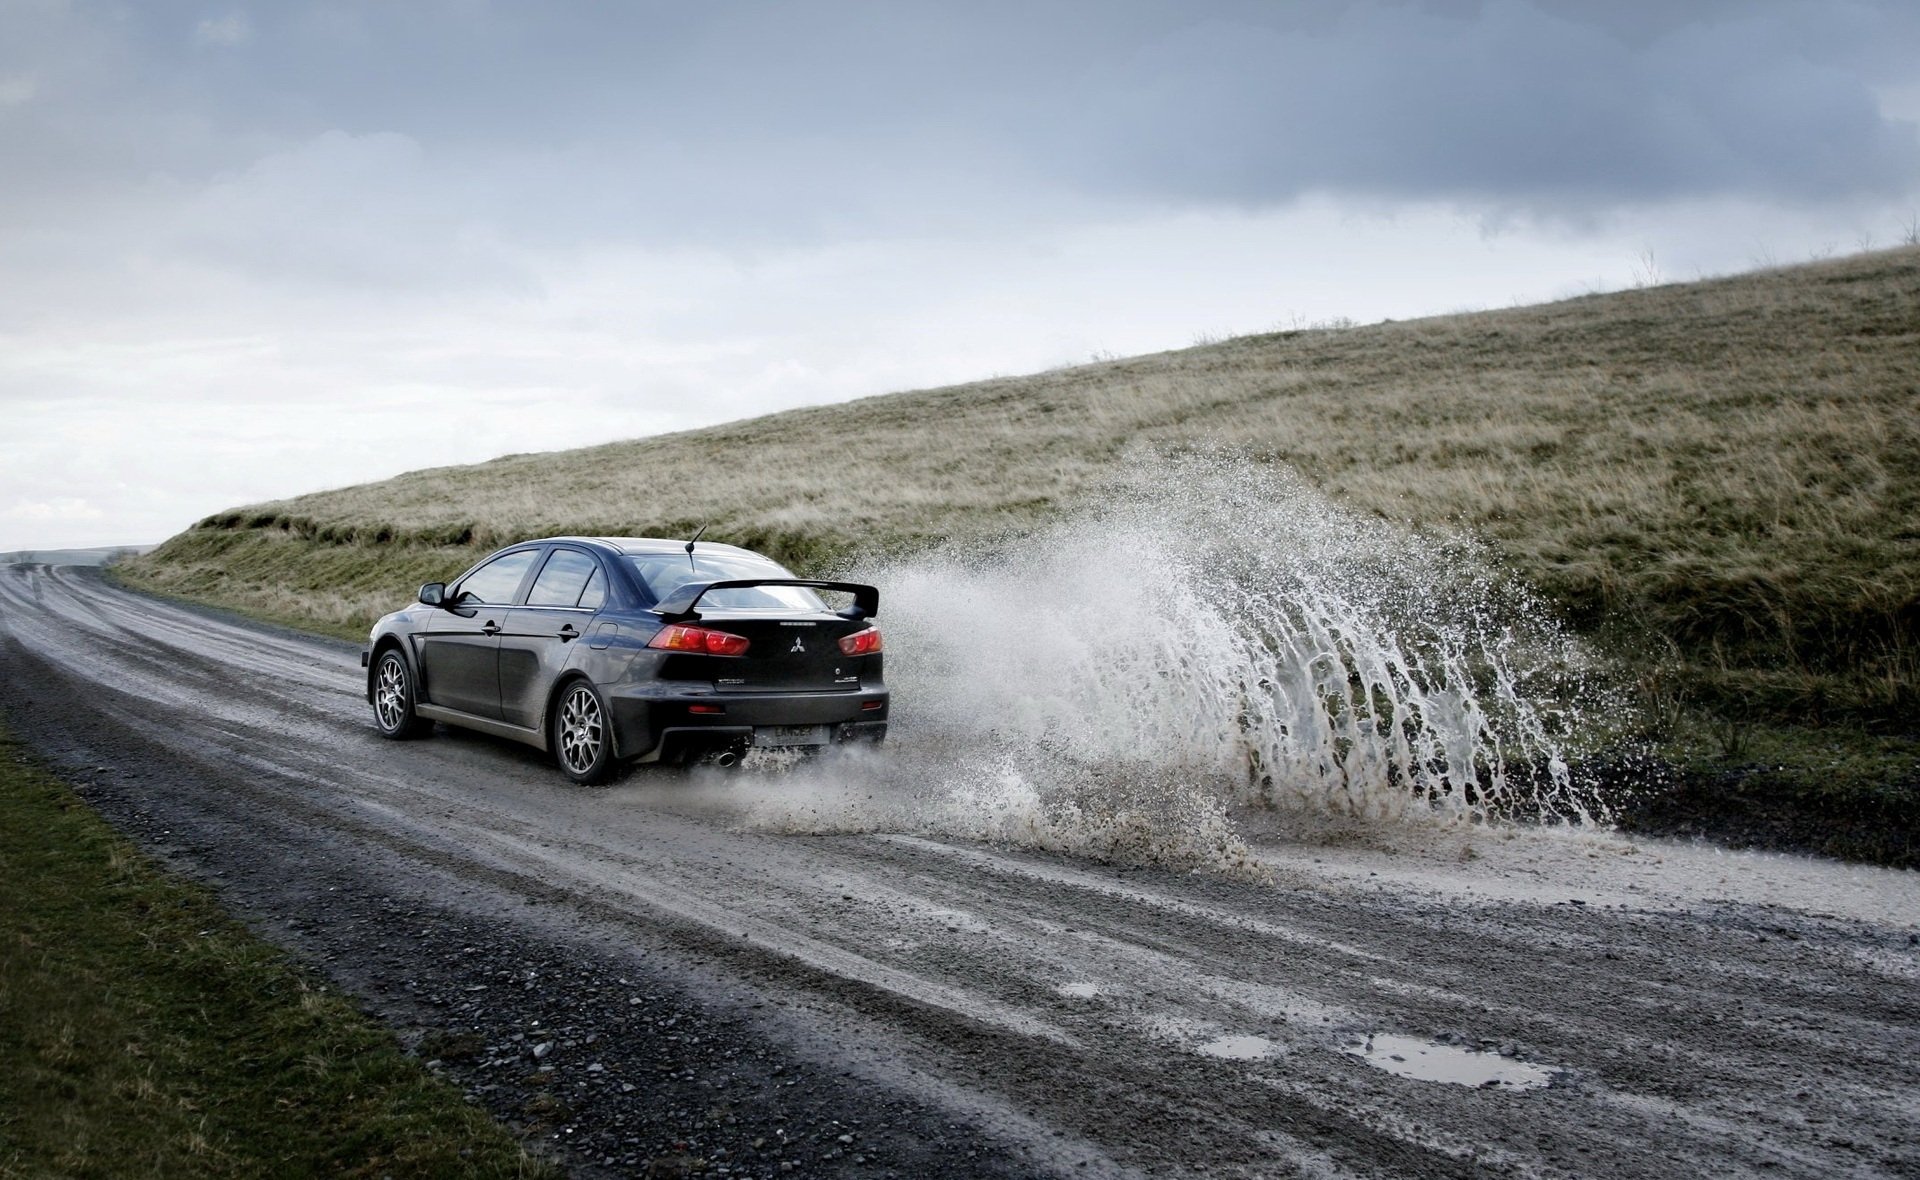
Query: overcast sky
x=251 y=250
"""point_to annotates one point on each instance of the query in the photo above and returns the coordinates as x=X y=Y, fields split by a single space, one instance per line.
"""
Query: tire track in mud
x=1042 y=1013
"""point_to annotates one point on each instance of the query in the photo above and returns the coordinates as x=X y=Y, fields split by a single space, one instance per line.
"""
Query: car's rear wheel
x=393 y=698
x=581 y=737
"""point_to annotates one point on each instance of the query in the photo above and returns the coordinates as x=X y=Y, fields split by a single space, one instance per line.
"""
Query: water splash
x=1214 y=635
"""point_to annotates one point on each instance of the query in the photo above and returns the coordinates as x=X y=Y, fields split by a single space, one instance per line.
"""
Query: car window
x=596 y=591
x=495 y=582
x=664 y=573
x=562 y=579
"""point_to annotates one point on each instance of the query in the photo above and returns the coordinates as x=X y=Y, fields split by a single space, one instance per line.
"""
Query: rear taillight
x=861 y=643
x=681 y=637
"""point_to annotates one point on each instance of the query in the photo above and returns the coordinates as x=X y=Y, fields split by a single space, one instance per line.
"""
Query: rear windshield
x=664 y=573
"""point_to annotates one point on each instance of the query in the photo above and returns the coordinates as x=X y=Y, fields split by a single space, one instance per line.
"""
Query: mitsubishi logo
x=797 y=646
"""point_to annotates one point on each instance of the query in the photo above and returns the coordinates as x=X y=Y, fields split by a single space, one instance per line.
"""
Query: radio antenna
x=696 y=536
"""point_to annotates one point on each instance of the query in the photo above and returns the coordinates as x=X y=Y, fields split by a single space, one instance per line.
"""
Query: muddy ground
x=655 y=979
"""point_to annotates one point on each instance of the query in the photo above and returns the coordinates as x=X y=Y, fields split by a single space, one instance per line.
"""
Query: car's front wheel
x=582 y=739
x=393 y=698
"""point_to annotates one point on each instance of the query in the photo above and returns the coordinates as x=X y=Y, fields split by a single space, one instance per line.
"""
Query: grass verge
x=144 y=1033
x=1826 y=790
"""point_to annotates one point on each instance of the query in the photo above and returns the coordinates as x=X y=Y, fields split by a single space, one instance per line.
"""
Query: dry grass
x=1729 y=469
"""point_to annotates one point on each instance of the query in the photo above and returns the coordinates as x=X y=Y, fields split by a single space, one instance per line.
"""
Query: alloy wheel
x=390 y=694
x=582 y=730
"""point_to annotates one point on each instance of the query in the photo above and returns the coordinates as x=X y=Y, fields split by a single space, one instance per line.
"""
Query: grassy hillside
x=1719 y=481
x=1729 y=469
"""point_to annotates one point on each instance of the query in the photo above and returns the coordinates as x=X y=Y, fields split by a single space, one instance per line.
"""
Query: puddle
x=1431 y=1061
x=1080 y=991
x=1240 y=1048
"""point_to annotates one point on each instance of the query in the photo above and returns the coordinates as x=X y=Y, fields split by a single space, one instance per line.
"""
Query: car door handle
x=492 y=628
x=567 y=633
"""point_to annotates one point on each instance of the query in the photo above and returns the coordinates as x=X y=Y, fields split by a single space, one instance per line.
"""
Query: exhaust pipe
x=725 y=758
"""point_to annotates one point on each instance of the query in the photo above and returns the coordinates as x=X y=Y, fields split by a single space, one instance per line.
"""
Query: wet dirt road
x=1393 y=1001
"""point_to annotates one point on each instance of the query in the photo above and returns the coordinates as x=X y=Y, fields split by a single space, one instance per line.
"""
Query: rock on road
x=644 y=977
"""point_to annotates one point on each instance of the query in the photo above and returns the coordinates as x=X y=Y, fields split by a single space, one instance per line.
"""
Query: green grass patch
x=1830 y=790
x=144 y=1033
x=296 y=614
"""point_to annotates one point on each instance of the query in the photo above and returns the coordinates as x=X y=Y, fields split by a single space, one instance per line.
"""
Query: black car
x=610 y=650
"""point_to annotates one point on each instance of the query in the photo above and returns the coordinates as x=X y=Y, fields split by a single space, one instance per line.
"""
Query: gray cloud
x=1504 y=103
x=737 y=122
x=255 y=247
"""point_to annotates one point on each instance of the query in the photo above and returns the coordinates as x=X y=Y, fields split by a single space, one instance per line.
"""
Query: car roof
x=653 y=545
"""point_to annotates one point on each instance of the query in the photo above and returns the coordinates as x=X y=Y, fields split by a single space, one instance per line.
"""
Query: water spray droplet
x=1213 y=635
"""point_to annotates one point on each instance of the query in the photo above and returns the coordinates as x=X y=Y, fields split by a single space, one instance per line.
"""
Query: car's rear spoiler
x=680 y=605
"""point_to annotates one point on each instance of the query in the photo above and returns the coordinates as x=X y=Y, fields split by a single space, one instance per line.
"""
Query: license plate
x=791 y=735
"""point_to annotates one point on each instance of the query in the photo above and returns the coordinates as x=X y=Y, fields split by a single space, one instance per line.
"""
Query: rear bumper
x=654 y=726
x=688 y=743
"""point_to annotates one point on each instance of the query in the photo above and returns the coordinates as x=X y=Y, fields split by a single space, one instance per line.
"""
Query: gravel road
x=649 y=980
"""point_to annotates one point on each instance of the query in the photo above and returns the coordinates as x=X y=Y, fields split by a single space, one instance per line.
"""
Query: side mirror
x=433 y=593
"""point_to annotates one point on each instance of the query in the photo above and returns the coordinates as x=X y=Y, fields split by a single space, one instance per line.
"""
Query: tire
x=581 y=734
x=393 y=698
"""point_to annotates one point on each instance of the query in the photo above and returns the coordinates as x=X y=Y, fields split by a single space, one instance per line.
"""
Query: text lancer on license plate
x=791 y=735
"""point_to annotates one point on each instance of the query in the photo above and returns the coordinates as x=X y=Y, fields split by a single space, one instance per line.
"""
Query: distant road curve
x=1050 y=1015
